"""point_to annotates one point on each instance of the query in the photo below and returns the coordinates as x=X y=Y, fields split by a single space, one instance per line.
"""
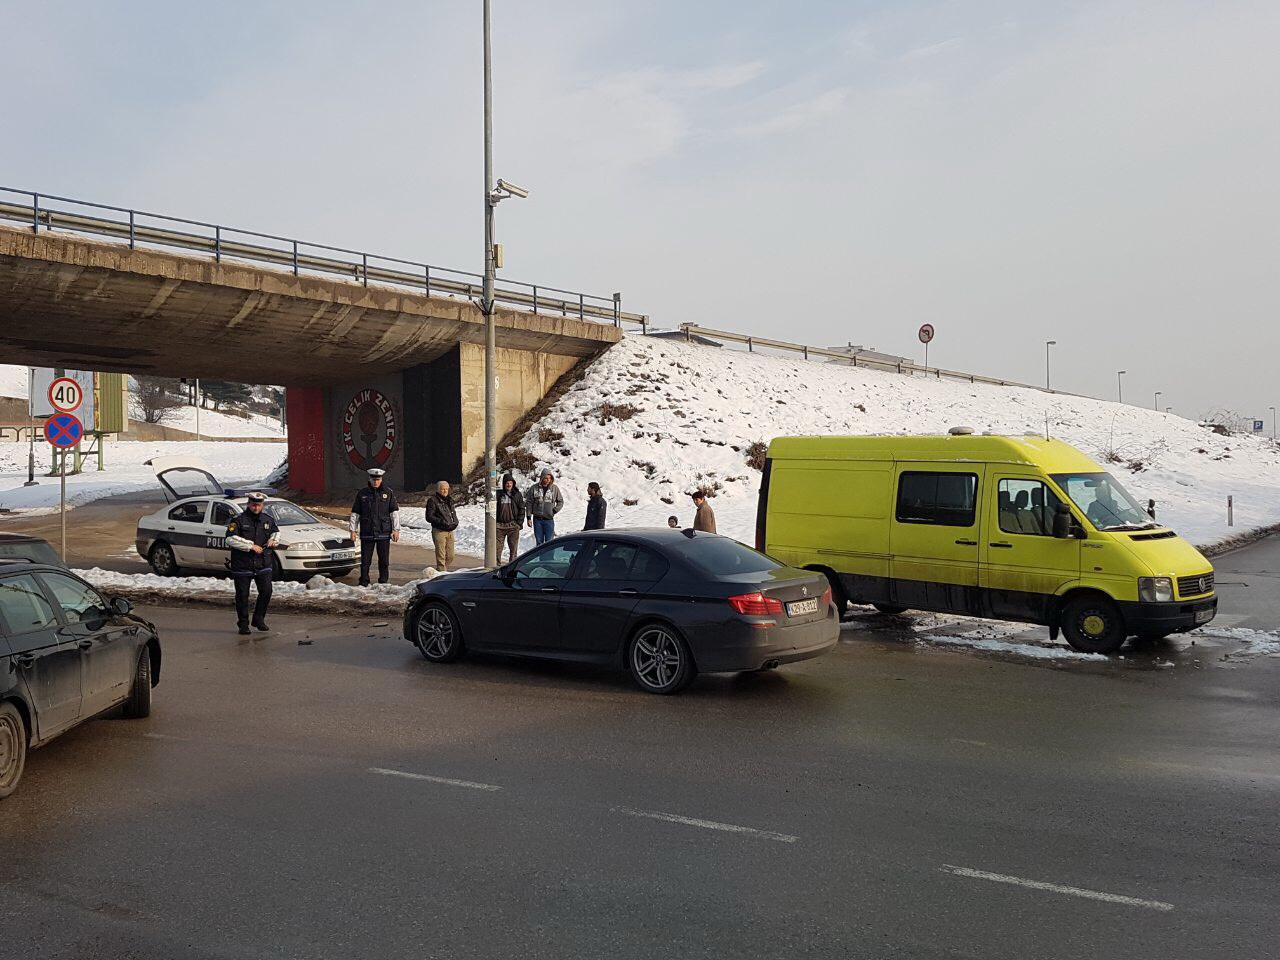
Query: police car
x=190 y=533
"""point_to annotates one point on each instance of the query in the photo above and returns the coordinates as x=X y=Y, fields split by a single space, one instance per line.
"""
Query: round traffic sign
x=63 y=430
x=926 y=333
x=65 y=395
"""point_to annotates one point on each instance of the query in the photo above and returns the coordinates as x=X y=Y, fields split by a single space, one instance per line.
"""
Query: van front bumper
x=1176 y=617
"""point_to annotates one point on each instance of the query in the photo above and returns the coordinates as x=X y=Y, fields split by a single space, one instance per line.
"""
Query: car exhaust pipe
x=771 y=665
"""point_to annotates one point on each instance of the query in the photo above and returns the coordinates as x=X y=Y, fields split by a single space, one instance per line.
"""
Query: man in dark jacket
x=251 y=536
x=443 y=518
x=510 y=513
x=375 y=522
x=596 y=507
x=543 y=501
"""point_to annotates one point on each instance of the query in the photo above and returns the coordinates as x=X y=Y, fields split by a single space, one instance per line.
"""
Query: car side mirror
x=121 y=606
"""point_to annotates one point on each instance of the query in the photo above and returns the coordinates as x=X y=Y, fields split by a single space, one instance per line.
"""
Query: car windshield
x=287 y=514
x=1107 y=504
x=720 y=556
x=37 y=551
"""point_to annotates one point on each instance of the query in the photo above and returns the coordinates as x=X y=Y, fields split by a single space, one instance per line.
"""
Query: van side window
x=1026 y=506
x=943 y=499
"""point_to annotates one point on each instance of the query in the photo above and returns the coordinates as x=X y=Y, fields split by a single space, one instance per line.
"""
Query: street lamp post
x=1273 y=422
x=1047 y=345
x=1120 y=385
x=1168 y=409
x=493 y=193
x=1157 y=403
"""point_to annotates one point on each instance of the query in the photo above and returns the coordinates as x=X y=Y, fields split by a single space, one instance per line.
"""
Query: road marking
x=1055 y=888
x=707 y=824
x=469 y=784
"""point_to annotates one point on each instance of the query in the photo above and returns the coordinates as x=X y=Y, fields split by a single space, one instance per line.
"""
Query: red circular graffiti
x=369 y=430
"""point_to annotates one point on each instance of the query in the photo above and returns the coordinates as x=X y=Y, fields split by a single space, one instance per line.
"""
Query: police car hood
x=291 y=533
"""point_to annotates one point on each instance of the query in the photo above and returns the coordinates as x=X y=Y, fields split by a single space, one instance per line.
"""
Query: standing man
x=443 y=518
x=704 y=519
x=510 y=516
x=596 y=507
x=544 y=501
x=375 y=522
x=251 y=537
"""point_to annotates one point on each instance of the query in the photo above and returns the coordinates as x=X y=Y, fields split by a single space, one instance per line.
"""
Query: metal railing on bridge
x=140 y=229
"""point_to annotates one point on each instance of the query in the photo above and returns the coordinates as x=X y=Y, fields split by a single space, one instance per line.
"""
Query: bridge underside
x=377 y=376
x=70 y=302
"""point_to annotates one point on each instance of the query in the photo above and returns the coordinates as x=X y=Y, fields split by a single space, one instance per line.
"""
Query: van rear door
x=934 y=535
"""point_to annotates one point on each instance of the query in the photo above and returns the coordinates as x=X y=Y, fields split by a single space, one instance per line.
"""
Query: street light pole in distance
x=1157 y=403
x=1047 y=345
x=1120 y=385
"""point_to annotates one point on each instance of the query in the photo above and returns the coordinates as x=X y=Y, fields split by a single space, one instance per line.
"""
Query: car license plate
x=802 y=607
x=1205 y=615
x=345 y=555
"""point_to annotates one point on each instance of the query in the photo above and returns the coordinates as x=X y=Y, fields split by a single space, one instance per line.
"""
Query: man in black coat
x=251 y=536
x=596 y=507
x=375 y=522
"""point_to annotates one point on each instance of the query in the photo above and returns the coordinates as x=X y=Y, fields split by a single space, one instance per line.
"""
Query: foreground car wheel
x=437 y=634
x=660 y=661
x=163 y=562
x=13 y=748
x=1093 y=625
x=139 y=703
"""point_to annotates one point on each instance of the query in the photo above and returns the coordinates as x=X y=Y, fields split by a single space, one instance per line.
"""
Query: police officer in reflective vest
x=251 y=537
x=375 y=522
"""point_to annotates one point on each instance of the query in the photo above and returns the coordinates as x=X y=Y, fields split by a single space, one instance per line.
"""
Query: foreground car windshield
x=1101 y=498
x=288 y=514
x=720 y=556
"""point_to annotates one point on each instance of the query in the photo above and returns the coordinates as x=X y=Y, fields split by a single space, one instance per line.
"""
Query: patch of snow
x=1031 y=650
x=1255 y=643
x=216 y=424
x=127 y=472
x=698 y=409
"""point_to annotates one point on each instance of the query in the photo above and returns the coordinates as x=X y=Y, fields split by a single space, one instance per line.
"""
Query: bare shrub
x=155 y=399
x=757 y=453
x=608 y=411
x=547 y=435
x=518 y=459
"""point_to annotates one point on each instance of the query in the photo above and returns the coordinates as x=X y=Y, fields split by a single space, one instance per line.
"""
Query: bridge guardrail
x=139 y=228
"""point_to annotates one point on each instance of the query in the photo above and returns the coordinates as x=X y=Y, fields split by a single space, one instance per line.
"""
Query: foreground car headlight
x=1155 y=589
x=306 y=546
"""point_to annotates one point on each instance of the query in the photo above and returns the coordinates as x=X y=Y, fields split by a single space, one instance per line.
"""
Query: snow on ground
x=215 y=424
x=1255 y=643
x=126 y=471
x=1031 y=650
x=697 y=409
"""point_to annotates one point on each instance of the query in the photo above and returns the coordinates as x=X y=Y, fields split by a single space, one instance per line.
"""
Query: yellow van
x=1012 y=528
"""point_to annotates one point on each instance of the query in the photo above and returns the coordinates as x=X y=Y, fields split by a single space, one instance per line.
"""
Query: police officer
x=375 y=522
x=251 y=537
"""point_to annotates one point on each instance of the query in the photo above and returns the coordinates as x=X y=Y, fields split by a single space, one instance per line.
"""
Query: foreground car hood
x=316 y=532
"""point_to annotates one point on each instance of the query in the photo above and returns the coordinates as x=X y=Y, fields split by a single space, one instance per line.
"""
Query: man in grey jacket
x=544 y=501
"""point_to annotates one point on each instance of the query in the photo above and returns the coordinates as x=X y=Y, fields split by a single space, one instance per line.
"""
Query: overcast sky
x=1102 y=174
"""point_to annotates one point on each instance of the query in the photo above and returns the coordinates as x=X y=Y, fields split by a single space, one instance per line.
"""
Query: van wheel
x=162 y=560
x=889 y=609
x=1093 y=625
x=13 y=748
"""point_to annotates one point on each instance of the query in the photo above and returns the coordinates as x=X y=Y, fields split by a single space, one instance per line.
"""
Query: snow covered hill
x=654 y=419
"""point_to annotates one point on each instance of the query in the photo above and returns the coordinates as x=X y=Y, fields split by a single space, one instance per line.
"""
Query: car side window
x=609 y=560
x=190 y=512
x=78 y=601
x=222 y=515
x=649 y=566
x=1026 y=507
x=941 y=499
x=24 y=605
x=553 y=562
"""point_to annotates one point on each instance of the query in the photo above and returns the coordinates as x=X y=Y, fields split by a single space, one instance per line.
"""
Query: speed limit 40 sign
x=65 y=395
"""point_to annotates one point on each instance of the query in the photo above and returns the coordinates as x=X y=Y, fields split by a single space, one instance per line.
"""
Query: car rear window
x=36 y=551
x=720 y=556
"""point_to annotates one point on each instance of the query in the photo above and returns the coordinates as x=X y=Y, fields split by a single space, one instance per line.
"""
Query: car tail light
x=755 y=604
x=826 y=597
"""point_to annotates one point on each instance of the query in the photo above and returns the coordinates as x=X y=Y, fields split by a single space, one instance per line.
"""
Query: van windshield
x=1107 y=504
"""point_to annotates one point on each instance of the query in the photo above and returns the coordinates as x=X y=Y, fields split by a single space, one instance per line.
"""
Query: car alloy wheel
x=163 y=561
x=660 y=661
x=437 y=633
x=13 y=748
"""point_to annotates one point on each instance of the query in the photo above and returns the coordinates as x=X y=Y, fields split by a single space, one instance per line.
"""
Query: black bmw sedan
x=662 y=604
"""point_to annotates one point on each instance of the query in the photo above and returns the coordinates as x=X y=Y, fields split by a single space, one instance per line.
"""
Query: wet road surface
x=344 y=798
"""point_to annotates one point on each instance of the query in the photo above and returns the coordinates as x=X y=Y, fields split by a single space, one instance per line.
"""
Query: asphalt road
x=102 y=533
x=344 y=798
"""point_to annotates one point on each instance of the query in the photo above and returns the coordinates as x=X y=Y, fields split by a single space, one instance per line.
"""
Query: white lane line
x=707 y=824
x=469 y=784
x=1055 y=888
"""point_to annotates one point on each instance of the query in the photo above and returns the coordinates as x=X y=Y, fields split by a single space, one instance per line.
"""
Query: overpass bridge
x=383 y=357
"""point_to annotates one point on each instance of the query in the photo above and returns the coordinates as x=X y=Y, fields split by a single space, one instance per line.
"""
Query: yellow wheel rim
x=1094 y=625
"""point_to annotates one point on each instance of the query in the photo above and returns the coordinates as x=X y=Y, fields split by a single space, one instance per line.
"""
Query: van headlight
x=307 y=546
x=1155 y=589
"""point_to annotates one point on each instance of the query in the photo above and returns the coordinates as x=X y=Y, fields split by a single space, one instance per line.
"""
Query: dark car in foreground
x=23 y=546
x=67 y=654
x=662 y=604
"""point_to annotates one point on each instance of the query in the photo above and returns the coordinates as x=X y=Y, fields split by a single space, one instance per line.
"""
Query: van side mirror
x=1151 y=509
x=1062 y=523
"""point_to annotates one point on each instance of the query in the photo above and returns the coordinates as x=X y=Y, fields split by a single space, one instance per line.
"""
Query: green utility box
x=111 y=411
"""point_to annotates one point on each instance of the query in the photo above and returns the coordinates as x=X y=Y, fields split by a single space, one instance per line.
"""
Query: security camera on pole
x=493 y=193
